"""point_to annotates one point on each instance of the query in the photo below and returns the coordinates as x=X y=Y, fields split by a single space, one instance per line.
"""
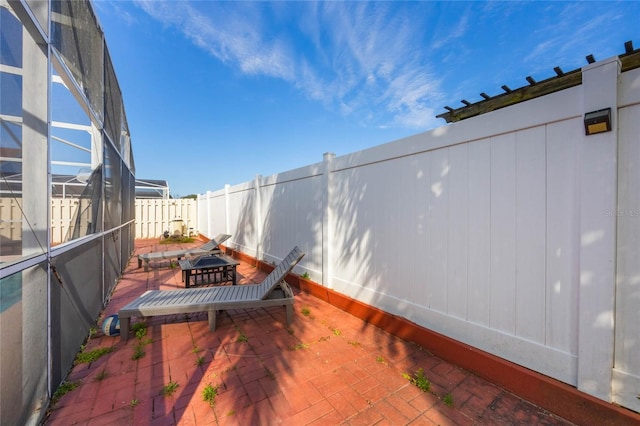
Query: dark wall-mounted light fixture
x=597 y=121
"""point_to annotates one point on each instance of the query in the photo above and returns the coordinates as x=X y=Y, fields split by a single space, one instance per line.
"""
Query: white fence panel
x=626 y=369
x=487 y=231
x=212 y=213
x=479 y=233
x=154 y=217
x=10 y=219
x=470 y=231
x=203 y=217
x=457 y=244
x=503 y=234
x=290 y=207
x=62 y=213
x=562 y=234
x=531 y=206
x=219 y=221
x=241 y=204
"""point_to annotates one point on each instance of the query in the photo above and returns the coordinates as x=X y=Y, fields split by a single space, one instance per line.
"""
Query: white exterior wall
x=511 y=231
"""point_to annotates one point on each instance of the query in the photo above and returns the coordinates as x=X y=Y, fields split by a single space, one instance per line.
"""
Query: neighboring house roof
x=152 y=183
x=562 y=80
x=71 y=186
x=152 y=188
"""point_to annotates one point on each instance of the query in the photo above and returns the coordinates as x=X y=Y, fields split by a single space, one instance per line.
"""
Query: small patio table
x=213 y=269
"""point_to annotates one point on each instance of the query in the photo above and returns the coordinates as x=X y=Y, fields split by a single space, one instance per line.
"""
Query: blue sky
x=217 y=92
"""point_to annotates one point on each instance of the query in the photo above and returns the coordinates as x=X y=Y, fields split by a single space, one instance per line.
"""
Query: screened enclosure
x=66 y=162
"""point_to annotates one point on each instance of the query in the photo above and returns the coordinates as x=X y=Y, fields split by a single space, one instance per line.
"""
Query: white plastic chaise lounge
x=272 y=291
x=210 y=247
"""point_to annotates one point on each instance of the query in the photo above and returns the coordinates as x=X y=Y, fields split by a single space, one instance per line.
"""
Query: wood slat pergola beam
x=562 y=80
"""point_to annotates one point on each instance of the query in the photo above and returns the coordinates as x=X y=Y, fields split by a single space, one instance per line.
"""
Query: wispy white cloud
x=364 y=60
x=572 y=25
x=229 y=34
x=376 y=64
x=457 y=32
x=114 y=7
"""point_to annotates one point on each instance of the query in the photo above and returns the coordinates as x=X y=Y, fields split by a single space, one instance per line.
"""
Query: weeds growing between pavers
x=177 y=240
x=242 y=337
x=140 y=330
x=63 y=389
x=170 y=388
x=88 y=357
x=101 y=375
x=448 y=400
x=209 y=394
x=421 y=382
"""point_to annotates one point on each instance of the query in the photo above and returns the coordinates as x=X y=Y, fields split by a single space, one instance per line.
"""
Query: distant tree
x=193 y=196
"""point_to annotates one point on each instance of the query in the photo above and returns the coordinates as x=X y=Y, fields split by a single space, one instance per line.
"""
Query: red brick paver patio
x=327 y=368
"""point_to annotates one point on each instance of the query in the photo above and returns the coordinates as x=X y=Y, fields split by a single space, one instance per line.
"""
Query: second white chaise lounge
x=272 y=291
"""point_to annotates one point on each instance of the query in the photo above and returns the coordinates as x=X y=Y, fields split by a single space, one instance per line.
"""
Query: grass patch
x=63 y=389
x=140 y=329
x=170 y=388
x=138 y=352
x=200 y=361
x=133 y=403
x=301 y=346
x=448 y=400
x=209 y=394
x=242 y=337
x=380 y=359
x=305 y=311
x=354 y=343
x=101 y=375
x=337 y=332
x=306 y=276
x=177 y=240
x=419 y=380
x=87 y=357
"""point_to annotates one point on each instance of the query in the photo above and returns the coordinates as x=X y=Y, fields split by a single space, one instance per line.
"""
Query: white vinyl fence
x=10 y=219
x=154 y=217
x=512 y=231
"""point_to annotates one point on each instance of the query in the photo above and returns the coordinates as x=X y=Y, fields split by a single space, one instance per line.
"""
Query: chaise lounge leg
x=289 y=314
x=146 y=265
x=139 y=263
x=212 y=319
x=124 y=329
